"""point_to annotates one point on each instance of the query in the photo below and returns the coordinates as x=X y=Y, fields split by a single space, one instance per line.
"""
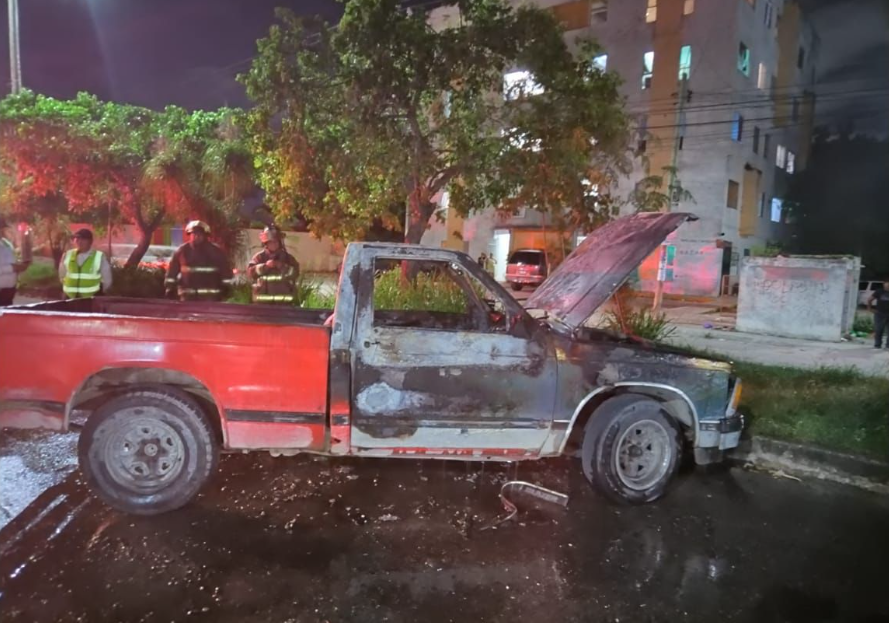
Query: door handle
x=369 y=343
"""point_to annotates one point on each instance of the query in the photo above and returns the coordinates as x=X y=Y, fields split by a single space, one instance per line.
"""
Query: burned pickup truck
x=168 y=385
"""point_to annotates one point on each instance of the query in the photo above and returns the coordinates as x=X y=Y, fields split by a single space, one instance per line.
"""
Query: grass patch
x=835 y=408
x=644 y=323
x=38 y=275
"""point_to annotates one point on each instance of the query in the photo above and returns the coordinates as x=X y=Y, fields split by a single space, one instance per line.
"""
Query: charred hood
x=602 y=262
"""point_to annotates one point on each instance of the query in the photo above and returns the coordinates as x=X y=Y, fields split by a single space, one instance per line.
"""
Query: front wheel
x=516 y=286
x=631 y=449
x=148 y=451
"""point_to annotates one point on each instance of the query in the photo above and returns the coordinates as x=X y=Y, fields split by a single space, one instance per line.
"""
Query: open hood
x=603 y=261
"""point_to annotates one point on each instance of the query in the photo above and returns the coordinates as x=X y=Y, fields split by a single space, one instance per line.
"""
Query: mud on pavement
x=316 y=539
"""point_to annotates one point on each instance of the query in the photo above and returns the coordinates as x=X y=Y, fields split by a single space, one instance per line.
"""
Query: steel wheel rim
x=643 y=454
x=144 y=453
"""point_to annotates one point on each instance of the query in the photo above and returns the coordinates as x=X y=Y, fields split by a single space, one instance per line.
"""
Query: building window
x=737 y=127
x=801 y=58
x=684 y=62
x=777 y=206
x=755 y=140
x=643 y=135
x=762 y=77
x=762 y=205
x=744 y=59
x=601 y=62
x=731 y=200
x=781 y=157
x=647 y=69
x=794 y=110
x=791 y=162
x=766 y=143
x=688 y=7
x=572 y=15
x=651 y=11
x=768 y=14
x=519 y=84
x=599 y=11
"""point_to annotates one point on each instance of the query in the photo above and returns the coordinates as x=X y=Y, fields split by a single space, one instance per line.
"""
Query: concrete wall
x=804 y=297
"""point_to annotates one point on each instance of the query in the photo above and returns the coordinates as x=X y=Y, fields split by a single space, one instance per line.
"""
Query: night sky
x=187 y=52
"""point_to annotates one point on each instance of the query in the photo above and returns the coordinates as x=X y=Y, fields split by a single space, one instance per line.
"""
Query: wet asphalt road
x=312 y=539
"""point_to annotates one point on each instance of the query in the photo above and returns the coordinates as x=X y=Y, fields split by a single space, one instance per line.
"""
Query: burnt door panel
x=433 y=391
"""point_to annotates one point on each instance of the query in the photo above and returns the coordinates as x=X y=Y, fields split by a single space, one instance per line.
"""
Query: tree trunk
x=419 y=213
x=146 y=231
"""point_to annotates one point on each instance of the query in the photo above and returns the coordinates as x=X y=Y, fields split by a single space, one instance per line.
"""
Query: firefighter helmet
x=192 y=225
x=270 y=233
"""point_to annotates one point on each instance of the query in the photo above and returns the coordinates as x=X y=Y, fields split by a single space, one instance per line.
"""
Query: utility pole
x=15 y=61
x=671 y=190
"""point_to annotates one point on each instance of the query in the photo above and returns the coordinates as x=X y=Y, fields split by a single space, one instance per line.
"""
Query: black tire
x=148 y=451
x=623 y=477
x=516 y=286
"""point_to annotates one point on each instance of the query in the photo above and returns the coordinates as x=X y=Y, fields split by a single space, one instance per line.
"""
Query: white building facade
x=735 y=131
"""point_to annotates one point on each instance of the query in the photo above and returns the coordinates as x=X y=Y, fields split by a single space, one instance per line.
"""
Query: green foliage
x=241 y=293
x=38 y=275
x=643 y=323
x=90 y=160
x=863 y=323
x=769 y=249
x=383 y=112
x=315 y=299
x=425 y=292
x=137 y=282
x=836 y=408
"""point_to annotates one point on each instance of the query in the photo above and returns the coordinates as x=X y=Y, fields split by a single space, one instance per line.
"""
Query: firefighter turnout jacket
x=199 y=272
x=273 y=285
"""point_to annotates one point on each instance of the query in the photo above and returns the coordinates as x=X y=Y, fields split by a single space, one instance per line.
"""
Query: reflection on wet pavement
x=314 y=539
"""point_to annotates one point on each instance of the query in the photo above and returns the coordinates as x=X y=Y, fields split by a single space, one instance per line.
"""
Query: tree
x=106 y=162
x=384 y=110
x=838 y=202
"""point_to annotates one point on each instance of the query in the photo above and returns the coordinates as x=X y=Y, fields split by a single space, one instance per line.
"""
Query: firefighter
x=199 y=270
x=84 y=271
x=273 y=270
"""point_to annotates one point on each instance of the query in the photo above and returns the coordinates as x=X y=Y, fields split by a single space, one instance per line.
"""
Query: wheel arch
x=675 y=402
x=112 y=381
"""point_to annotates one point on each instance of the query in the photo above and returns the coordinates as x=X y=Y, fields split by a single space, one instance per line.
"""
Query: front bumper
x=722 y=434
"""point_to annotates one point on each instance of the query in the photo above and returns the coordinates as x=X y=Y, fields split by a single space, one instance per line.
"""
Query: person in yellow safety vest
x=84 y=271
x=199 y=270
x=273 y=270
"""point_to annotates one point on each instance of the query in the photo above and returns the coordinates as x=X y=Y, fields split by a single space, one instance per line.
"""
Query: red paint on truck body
x=247 y=367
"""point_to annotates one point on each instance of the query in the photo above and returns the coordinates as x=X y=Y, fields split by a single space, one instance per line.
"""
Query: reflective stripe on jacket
x=85 y=279
x=199 y=273
x=274 y=285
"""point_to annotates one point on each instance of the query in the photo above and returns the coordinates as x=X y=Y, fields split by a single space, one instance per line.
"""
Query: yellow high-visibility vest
x=82 y=281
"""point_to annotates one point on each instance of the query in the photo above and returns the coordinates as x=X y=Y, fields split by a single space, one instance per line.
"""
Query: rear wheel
x=516 y=286
x=148 y=451
x=631 y=449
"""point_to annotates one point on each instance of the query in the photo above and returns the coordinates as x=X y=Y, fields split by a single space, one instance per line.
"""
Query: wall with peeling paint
x=804 y=297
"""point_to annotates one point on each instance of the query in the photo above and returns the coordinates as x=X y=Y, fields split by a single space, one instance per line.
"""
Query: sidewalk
x=782 y=351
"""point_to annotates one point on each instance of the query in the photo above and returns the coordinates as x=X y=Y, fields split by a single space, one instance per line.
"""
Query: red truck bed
x=267 y=367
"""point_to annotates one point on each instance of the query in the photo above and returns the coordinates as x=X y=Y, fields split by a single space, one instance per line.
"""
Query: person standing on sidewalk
x=881 y=315
x=9 y=266
x=84 y=271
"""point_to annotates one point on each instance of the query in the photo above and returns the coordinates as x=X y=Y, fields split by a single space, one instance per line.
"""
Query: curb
x=811 y=462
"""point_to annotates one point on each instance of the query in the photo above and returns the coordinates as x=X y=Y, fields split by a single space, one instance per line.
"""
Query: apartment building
x=720 y=90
